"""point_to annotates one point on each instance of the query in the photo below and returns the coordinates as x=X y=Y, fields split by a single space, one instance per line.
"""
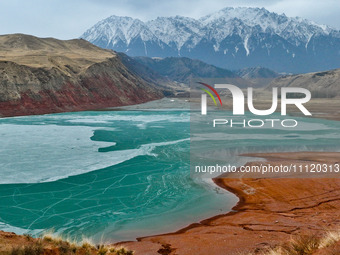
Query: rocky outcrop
x=65 y=76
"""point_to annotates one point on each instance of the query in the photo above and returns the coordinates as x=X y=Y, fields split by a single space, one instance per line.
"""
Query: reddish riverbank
x=269 y=212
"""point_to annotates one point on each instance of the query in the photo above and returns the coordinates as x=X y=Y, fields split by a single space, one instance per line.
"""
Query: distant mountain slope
x=232 y=38
x=168 y=86
x=259 y=76
x=184 y=69
x=321 y=84
x=48 y=75
x=257 y=72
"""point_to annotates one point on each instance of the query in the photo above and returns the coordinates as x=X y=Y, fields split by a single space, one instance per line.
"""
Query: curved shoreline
x=266 y=210
x=269 y=211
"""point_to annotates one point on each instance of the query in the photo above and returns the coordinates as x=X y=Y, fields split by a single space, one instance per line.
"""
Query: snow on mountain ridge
x=123 y=28
x=297 y=30
x=179 y=31
x=182 y=28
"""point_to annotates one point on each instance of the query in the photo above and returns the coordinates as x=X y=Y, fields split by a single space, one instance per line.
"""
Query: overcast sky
x=66 y=19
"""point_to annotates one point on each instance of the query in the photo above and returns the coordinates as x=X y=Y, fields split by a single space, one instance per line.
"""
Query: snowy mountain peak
x=243 y=13
x=178 y=30
x=175 y=30
x=296 y=30
x=230 y=33
x=117 y=29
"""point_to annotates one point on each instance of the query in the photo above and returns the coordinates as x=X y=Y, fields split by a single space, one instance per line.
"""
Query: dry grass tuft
x=301 y=245
x=308 y=244
x=31 y=249
x=330 y=238
x=55 y=245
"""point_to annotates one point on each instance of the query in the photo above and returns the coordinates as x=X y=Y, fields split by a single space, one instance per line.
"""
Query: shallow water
x=107 y=176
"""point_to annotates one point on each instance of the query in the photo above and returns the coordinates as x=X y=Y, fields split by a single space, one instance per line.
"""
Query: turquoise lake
x=104 y=175
x=117 y=175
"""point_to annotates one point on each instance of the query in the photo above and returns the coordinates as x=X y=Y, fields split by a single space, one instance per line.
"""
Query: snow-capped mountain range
x=231 y=38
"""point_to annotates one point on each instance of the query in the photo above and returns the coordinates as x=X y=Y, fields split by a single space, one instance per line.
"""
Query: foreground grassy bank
x=12 y=244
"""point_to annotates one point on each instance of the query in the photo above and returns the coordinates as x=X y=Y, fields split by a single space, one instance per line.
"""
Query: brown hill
x=321 y=84
x=45 y=75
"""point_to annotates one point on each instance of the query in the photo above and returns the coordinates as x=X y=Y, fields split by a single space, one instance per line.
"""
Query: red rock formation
x=60 y=80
